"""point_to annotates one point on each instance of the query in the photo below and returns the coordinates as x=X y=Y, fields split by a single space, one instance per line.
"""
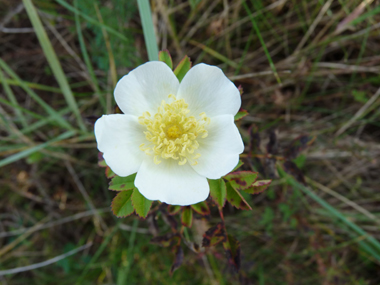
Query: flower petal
x=220 y=149
x=206 y=89
x=144 y=88
x=171 y=183
x=119 y=137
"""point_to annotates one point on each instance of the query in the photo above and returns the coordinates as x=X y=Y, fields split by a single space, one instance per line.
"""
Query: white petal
x=220 y=149
x=144 y=88
x=171 y=183
x=119 y=137
x=206 y=89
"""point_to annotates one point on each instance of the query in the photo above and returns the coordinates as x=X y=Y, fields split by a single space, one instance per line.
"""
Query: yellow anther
x=171 y=133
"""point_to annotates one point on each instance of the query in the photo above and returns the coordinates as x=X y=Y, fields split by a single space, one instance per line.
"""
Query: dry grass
x=319 y=76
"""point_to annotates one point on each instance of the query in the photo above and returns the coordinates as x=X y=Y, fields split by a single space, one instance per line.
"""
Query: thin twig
x=54 y=223
x=84 y=193
x=358 y=113
x=344 y=200
x=46 y=262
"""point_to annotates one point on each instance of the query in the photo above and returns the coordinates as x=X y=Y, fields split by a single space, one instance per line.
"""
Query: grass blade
x=53 y=61
x=13 y=99
x=148 y=28
x=95 y=84
x=369 y=243
x=262 y=42
x=37 y=98
x=92 y=21
x=33 y=149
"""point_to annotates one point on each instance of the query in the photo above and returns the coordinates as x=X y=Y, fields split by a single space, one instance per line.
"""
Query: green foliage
x=122 y=183
x=258 y=187
x=165 y=56
x=242 y=179
x=122 y=204
x=182 y=68
x=187 y=216
x=115 y=14
x=241 y=114
x=236 y=199
x=218 y=191
x=140 y=203
x=201 y=208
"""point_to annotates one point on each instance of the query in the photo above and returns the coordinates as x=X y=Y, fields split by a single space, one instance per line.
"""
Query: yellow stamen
x=171 y=133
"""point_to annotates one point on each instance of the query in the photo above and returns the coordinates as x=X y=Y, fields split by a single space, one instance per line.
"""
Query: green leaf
x=173 y=209
x=214 y=235
x=201 y=208
x=109 y=172
x=182 y=68
x=140 y=203
x=238 y=165
x=122 y=183
x=258 y=187
x=232 y=248
x=235 y=198
x=122 y=204
x=165 y=56
x=241 y=114
x=218 y=191
x=187 y=217
x=241 y=179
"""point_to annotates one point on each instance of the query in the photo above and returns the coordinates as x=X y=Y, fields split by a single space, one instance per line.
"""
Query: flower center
x=171 y=133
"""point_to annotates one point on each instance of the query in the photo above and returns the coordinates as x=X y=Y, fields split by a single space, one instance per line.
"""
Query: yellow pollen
x=171 y=133
x=174 y=132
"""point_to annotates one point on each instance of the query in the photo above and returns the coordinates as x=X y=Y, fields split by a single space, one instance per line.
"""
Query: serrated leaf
x=167 y=240
x=258 y=187
x=122 y=204
x=201 y=208
x=140 y=203
x=232 y=248
x=182 y=68
x=240 y=163
x=241 y=114
x=109 y=173
x=164 y=56
x=218 y=191
x=235 y=198
x=214 y=235
x=174 y=209
x=177 y=260
x=241 y=179
x=187 y=217
x=122 y=183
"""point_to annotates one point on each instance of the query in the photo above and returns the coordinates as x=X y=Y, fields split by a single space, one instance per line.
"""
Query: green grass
x=295 y=234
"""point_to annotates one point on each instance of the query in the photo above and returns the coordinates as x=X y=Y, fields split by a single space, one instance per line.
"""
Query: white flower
x=174 y=135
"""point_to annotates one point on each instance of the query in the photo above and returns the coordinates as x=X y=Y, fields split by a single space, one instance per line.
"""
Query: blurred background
x=310 y=74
